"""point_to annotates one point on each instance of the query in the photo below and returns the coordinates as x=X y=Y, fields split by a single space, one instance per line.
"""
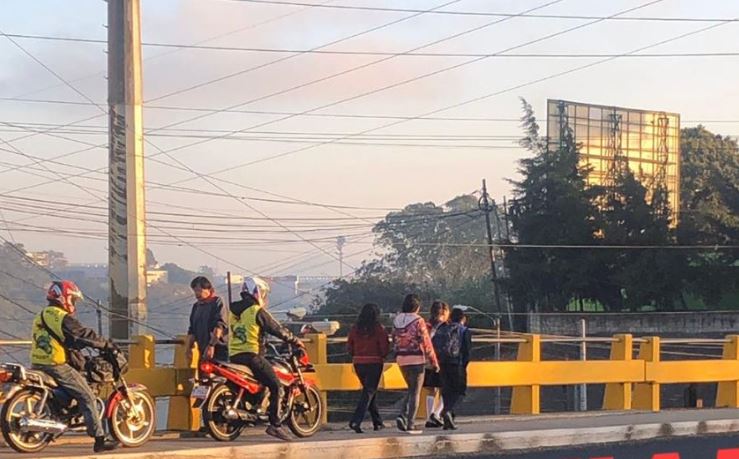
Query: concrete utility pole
x=127 y=214
x=487 y=205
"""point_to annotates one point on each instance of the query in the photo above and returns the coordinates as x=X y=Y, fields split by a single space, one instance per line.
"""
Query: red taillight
x=5 y=376
x=207 y=367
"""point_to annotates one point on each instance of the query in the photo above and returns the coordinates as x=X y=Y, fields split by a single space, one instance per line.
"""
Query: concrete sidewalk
x=476 y=435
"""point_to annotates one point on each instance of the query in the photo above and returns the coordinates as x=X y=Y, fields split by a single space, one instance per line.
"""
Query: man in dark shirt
x=208 y=322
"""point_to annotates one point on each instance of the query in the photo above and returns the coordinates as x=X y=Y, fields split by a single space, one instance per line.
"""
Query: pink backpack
x=407 y=340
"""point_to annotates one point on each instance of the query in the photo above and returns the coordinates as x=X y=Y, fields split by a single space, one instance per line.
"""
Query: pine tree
x=552 y=207
x=639 y=277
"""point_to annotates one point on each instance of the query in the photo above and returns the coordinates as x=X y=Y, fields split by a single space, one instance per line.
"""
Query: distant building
x=49 y=259
x=99 y=273
x=647 y=142
x=297 y=291
x=220 y=282
x=156 y=276
x=82 y=272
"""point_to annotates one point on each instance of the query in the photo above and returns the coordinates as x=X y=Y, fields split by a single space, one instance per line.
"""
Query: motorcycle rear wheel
x=220 y=428
x=23 y=403
x=306 y=414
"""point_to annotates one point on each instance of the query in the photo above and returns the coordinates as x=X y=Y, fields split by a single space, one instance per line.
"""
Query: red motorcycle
x=232 y=399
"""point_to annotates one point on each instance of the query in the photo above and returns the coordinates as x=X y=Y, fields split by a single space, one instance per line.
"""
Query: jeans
x=453 y=385
x=413 y=375
x=76 y=385
x=264 y=373
x=369 y=376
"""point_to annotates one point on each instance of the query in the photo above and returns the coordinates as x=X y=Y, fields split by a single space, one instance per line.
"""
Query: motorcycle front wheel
x=305 y=416
x=133 y=420
x=220 y=428
x=23 y=404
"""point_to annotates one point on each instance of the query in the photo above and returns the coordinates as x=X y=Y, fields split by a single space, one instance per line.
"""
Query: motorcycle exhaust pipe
x=232 y=414
x=48 y=426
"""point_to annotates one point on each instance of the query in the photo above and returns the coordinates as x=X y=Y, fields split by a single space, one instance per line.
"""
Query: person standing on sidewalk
x=413 y=350
x=208 y=326
x=453 y=342
x=368 y=344
x=432 y=380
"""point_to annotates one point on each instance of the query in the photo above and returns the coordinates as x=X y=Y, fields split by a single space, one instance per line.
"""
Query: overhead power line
x=483 y=13
x=344 y=72
x=173 y=51
x=209 y=217
x=183 y=46
x=192 y=218
x=315 y=115
x=66 y=179
x=282 y=59
x=261 y=66
x=401 y=83
x=86 y=299
x=495 y=93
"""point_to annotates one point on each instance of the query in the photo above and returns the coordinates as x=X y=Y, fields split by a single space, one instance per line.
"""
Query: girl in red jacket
x=368 y=344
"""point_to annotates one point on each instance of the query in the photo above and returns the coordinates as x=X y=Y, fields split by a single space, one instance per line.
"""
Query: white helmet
x=257 y=288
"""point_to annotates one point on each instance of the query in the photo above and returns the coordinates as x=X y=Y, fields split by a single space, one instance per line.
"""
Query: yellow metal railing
x=631 y=383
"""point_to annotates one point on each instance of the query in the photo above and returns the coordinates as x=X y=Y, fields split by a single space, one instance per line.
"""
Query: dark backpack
x=448 y=342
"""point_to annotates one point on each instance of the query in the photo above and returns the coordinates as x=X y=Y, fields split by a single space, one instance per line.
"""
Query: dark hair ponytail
x=437 y=308
x=411 y=303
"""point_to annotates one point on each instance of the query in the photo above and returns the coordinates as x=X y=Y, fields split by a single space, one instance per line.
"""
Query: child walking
x=413 y=350
x=432 y=380
x=453 y=342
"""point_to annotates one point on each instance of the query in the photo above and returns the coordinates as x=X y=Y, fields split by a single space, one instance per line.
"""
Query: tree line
x=636 y=257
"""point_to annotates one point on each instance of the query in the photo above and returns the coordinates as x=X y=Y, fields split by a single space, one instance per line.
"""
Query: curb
x=426 y=445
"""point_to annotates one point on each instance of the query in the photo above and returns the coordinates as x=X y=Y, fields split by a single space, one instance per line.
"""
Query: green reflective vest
x=245 y=332
x=46 y=348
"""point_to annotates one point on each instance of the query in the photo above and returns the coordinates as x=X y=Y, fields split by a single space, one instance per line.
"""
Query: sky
x=342 y=127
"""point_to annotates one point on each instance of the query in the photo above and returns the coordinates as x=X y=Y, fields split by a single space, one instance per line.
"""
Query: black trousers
x=453 y=385
x=263 y=371
x=369 y=376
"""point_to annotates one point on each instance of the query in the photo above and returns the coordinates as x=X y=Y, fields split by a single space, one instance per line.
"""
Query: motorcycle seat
x=43 y=377
x=238 y=368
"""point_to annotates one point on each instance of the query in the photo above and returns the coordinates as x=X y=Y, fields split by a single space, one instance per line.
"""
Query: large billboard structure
x=611 y=138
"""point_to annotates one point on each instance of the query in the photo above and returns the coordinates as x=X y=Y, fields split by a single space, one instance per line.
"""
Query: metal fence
x=632 y=375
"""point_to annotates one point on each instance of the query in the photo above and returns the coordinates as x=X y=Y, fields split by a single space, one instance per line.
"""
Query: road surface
x=486 y=437
x=707 y=447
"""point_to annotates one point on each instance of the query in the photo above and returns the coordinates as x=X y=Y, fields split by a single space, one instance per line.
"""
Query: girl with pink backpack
x=413 y=350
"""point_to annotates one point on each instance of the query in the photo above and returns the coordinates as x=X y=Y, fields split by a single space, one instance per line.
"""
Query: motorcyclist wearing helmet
x=57 y=334
x=250 y=323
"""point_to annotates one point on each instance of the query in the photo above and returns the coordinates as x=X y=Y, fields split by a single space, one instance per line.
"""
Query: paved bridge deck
x=475 y=435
